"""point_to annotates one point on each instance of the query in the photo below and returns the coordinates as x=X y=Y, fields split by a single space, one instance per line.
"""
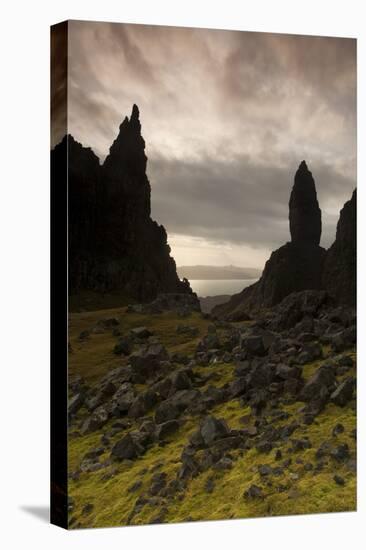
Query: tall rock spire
x=127 y=152
x=114 y=245
x=305 y=214
x=294 y=267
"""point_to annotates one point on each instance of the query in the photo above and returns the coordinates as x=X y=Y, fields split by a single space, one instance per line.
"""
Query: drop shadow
x=40 y=512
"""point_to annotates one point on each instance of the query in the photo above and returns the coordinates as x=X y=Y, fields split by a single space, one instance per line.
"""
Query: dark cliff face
x=114 y=245
x=340 y=267
x=293 y=267
x=304 y=212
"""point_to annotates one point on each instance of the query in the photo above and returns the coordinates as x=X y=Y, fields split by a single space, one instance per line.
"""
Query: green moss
x=295 y=491
x=93 y=357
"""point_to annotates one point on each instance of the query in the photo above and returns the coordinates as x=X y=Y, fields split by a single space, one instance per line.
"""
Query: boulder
x=145 y=361
x=262 y=375
x=285 y=372
x=253 y=492
x=213 y=428
x=183 y=399
x=126 y=449
x=108 y=323
x=122 y=399
x=95 y=421
x=344 y=392
x=75 y=403
x=180 y=380
x=253 y=344
x=166 y=429
x=140 y=333
x=142 y=404
x=321 y=381
x=166 y=411
x=123 y=346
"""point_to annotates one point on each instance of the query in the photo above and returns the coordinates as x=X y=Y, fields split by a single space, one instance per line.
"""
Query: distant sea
x=215 y=287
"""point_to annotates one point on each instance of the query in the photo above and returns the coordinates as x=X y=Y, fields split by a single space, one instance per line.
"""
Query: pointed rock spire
x=305 y=214
x=128 y=149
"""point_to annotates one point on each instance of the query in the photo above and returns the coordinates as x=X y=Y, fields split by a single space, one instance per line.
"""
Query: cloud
x=226 y=116
x=239 y=201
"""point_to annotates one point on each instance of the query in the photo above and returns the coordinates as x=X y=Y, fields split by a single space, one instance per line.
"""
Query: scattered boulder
x=212 y=429
x=344 y=392
x=84 y=334
x=145 y=361
x=253 y=492
x=108 y=323
x=319 y=383
x=140 y=333
x=253 y=344
x=123 y=346
x=95 y=421
x=142 y=404
x=127 y=448
x=123 y=399
x=158 y=483
x=340 y=453
x=338 y=429
x=166 y=429
x=166 y=411
x=180 y=380
x=339 y=480
x=75 y=403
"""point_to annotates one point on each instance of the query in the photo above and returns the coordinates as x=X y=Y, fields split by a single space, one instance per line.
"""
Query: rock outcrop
x=114 y=245
x=305 y=214
x=339 y=275
x=294 y=267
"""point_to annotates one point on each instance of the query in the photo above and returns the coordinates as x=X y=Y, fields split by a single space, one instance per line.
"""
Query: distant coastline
x=209 y=272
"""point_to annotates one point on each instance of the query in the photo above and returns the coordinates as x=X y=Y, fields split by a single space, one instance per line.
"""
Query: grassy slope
x=296 y=491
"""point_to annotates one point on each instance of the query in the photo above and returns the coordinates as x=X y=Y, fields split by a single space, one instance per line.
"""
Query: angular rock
x=253 y=344
x=126 y=448
x=75 y=403
x=140 y=332
x=344 y=392
x=96 y=421
x=253 y=492
x=123 y=346
x=213 y=428
x=145 y=361
x=142 y=404
x=166 y=411
x=122 y=399
x=322 y=379
x=166 y=429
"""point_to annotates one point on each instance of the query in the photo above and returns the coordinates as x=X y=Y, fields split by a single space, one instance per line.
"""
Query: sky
x=227 y=117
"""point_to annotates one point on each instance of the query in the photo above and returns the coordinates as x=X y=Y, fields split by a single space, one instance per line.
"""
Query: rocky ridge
x=302 y=264
x=114 y=245
x=340 y=267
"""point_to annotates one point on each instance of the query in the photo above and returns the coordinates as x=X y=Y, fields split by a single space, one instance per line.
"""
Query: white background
x=24 y=290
